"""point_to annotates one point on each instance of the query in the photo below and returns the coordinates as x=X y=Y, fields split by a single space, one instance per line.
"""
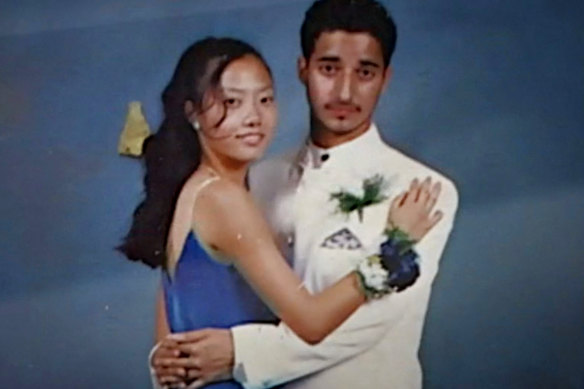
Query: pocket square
x=342 y=239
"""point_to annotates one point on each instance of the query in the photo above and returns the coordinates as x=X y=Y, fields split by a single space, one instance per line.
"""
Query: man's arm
x=267 y=355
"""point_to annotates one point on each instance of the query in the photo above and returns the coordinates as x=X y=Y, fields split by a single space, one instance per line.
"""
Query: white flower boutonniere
x=372 y=192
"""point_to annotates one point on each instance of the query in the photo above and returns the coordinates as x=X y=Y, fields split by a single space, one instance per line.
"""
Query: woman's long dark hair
x=174 y=152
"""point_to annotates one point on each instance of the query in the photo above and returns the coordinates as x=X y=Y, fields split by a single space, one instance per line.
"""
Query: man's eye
x=328 y=69
x=366 y=74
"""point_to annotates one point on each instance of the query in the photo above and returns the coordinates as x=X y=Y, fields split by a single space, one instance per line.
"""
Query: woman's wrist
x=372 y=278
x=399 y=237
x=393 y=268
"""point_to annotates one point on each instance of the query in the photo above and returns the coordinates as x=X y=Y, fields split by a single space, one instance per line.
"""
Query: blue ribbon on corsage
x=393 y=268
x=399 y=259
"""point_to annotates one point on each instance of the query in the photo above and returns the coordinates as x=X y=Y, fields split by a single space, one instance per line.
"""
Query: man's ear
x=302 y=65
x=386 y=77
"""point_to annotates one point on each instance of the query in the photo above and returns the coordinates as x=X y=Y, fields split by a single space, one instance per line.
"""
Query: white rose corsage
x=392 y=268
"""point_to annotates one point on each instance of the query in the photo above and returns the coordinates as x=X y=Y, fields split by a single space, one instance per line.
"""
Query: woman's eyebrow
x=241 y=90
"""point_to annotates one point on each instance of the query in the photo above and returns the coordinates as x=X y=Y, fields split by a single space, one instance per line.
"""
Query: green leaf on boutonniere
x=373 y=188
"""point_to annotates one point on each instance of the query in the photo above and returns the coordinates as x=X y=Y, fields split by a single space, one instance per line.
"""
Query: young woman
x=200 y=224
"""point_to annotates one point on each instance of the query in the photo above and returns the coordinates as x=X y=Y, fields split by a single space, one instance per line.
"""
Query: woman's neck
x=235 y=172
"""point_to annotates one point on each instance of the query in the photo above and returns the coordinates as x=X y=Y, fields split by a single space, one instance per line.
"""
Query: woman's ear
x=190 y=111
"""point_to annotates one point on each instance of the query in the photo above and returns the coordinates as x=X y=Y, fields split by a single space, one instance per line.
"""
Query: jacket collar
x=361 y=148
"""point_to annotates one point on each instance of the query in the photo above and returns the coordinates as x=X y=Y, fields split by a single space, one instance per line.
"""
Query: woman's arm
x=226 y=217
x=161 y=324
x=164 y=361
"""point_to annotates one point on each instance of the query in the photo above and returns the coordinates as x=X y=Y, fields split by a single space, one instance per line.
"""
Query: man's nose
x=345 y=86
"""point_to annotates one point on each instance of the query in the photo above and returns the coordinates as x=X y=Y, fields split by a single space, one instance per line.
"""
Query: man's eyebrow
x=363 y=62
x=329 y=58
x=366 y=62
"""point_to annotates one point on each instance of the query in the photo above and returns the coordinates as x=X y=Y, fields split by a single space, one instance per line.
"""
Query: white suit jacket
x=378 y=345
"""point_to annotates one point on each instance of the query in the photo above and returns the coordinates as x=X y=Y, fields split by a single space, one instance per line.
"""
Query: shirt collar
x=314 y=157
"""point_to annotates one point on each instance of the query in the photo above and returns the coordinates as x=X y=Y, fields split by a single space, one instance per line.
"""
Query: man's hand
x=169 y=367
x=209 y=353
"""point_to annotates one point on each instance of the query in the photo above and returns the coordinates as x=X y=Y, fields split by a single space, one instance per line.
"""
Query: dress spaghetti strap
x=195 y=194
x=202 y=186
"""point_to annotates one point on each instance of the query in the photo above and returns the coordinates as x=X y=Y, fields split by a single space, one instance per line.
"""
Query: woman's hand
x=170 y=368
x=412 y=211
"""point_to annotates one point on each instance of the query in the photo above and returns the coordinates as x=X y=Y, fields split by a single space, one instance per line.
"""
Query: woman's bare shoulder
x=223 y=195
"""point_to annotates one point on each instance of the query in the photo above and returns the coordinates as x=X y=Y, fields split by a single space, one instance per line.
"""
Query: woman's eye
x=231 y=102
x=267 y=100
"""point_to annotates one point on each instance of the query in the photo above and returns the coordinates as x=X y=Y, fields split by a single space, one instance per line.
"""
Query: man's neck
x=325 y=138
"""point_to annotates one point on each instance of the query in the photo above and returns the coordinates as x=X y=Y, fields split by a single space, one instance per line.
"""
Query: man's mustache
x=338 y=106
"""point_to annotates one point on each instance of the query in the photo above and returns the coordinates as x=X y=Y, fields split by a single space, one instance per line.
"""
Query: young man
x=346 y=50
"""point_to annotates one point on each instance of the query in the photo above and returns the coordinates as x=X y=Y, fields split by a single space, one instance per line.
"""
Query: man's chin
x=341 y=126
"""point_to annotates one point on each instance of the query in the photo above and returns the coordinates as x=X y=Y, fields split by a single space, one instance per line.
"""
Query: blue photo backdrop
x=489 y=92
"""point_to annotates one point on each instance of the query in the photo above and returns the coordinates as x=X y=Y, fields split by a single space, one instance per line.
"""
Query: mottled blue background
x=491 y=92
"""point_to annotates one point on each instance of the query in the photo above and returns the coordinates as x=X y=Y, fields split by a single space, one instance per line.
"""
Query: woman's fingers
x=413 y=210
x=412 y=195
x=434 y=219
x=424 y=191
x=194 y=374
x=169 y=379
x=173 y=362
x=170 y=371
x=197 y=384
x=433 y=195
x=397 y=202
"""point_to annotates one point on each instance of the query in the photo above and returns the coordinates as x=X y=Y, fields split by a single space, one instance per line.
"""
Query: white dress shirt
x=378 y=345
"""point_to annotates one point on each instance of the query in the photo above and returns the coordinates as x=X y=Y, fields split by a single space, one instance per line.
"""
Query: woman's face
x=245 y=109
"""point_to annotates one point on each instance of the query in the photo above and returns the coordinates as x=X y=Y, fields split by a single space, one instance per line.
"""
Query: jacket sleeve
x=267 y=355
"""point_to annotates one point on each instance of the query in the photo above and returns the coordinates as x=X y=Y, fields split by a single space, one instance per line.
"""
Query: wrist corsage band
x=393 y=269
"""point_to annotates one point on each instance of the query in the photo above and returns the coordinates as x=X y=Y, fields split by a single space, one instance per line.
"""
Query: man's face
x=344 y=78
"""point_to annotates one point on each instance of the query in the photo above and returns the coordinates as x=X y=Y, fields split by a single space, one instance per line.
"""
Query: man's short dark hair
x=352 y=16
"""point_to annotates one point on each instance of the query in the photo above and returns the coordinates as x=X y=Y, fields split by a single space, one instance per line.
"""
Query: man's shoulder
x=274 y=162
x=270 y=176
x=411 y=168
x=274 y=167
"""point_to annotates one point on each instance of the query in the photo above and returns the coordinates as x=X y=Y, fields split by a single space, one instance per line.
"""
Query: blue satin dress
x=204 y=292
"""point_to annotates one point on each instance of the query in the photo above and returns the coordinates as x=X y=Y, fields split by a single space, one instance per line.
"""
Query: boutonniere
x=371 y=192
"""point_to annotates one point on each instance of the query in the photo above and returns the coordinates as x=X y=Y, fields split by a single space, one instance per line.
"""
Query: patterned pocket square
x=342 y=239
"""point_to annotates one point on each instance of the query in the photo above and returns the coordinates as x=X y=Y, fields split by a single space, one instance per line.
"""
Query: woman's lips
x=251 y=138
